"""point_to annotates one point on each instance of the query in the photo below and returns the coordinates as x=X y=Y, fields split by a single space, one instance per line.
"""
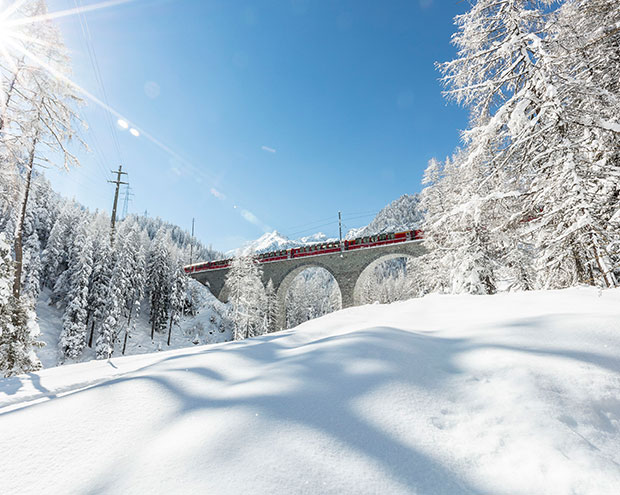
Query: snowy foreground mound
x=514 y=393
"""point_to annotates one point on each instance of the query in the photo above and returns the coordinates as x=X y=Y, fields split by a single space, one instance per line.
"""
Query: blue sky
x=264 y=115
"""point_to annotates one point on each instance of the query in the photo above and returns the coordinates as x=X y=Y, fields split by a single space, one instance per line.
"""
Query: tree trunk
x=9 y=92
x=170 y=330
x=17 y=281
x=92 y=331
x=125 y=340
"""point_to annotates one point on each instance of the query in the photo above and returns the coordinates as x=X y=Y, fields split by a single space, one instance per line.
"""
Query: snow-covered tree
x=31 y=275
x=18 y=327
x=271 y=309
x=313 y=293
x=531 y=195
x=158 y=275
x=73 y=336
x=55 y=256
x=133 y=258
x=578 y=184
x=37 y=115
x=177 y=298
x=246 y=295
x=101 y=275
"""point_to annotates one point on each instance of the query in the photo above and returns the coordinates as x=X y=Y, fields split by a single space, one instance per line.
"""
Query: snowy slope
x=515 y=393
x=206 y=327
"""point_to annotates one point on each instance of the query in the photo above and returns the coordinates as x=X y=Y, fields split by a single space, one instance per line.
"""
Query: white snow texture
x=516 y=393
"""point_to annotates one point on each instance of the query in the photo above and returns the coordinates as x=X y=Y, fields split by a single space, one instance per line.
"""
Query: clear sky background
x=267 y=114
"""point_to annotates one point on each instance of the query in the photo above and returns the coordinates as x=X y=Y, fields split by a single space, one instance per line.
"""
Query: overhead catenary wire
x=310 y=227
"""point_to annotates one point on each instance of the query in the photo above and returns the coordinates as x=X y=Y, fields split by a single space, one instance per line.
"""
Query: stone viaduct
x=349 y=269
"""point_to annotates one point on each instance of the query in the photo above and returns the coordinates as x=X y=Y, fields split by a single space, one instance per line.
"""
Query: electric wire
x=311 y=229
x=92 y=55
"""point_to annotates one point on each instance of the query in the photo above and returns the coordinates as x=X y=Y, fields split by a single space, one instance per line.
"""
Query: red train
x=316 y=249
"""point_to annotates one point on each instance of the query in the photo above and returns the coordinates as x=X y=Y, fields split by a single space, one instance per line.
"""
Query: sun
x=18 y=18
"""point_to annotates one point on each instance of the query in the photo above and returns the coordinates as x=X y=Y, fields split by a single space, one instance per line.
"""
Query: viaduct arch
x=350 y=269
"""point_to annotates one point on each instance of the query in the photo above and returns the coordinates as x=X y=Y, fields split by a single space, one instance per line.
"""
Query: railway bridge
x=350 y=269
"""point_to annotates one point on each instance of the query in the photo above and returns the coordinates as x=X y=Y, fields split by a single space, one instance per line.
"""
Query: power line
x=308 y=223
x=311 y=229
x=373 y=212
x=361 y=216
x=92 y=55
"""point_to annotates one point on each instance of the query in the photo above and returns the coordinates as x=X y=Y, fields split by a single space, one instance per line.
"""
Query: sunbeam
x=64 y=13
x=12 y=36
x=11 y=9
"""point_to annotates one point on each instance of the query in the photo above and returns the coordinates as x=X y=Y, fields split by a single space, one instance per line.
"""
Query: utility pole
x=191 y=244
x=118 y=183
x=340 y=230
x=127 y=194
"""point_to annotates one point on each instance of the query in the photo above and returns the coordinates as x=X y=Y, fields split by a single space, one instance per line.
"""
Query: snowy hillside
x=513 y=393
x=207 y=326
x=401 y=214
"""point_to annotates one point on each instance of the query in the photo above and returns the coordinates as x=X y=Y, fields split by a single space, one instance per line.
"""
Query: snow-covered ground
x=515 y=393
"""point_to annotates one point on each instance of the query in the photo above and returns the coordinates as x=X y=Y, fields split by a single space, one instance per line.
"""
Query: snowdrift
x=514 y=393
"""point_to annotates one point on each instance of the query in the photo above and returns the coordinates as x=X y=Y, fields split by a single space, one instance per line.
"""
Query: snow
x=512 y=393
x=204 y=327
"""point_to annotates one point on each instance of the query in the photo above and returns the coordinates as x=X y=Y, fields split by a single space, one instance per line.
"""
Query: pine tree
x=135 y=287
x=31 y=283
x=55 y=256
x=177 y=298
x=158 y=270
x=73 y=335
x=271 y=310
x=18 y=327
x=101 y=275
x=247 y=298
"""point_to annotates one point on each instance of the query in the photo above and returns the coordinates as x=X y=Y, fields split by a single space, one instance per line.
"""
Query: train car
x=273 y=256
x=316 y=249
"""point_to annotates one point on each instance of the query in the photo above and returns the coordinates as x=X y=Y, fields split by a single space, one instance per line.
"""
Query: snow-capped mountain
x=273 y=241
x=401 y=214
